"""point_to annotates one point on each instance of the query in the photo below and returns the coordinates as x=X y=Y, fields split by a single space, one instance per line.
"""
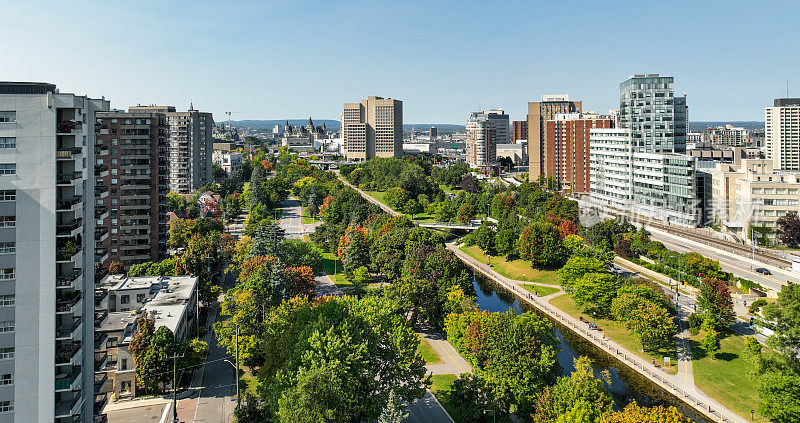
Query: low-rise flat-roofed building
x=229 y=161
x=168 y=301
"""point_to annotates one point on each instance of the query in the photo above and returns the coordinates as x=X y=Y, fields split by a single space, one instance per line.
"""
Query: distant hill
x=334 y=124
x=702 y=125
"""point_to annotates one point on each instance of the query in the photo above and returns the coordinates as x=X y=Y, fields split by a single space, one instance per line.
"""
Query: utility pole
x=238 y=398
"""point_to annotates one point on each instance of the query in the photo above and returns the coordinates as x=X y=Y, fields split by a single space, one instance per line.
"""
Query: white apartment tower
x=782 y=133
x=485 y=130
x=372 y=128
x=47 y=364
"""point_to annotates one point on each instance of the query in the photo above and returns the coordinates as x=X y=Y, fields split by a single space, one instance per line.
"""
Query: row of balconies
x=68 y=280
x=68 y=153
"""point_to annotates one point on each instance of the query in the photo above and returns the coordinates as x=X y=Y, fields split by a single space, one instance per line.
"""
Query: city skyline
x=301 y=59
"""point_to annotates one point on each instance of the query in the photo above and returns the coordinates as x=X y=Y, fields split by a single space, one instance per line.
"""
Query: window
x=8 y=195
x=124 y=299
x=7 y=379
x=6 y=274
x=769 y=190
x=6 y=353
x=6 y=406
x=8 y=142
x=8 y=221
x=8 y=168
x=6 y=327
x=139 y=298
x=7 y=300
x=792 y=191
x=8 y=117
x=8 y=247
x=756 y=190
x=112 y=342
x=123 y=364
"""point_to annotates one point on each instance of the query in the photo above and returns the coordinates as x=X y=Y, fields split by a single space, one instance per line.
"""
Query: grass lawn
x=515 y=269
x=617 y=332
x=378 y=195
x=725 y=378
x=305 y=218
x=330 y=263
x=449 y=190
x=440 y=388
x=428 y=353
x=541 y=291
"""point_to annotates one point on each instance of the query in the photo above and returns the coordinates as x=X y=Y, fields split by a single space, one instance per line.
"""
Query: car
x=763 y=271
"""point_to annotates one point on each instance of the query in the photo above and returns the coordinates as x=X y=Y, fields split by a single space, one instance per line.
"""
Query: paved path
x=236 y=226
x=681 y=388
x=292 y=220
x=325 y=286
x=368 y=197
x=454 y=363
x=427 y=410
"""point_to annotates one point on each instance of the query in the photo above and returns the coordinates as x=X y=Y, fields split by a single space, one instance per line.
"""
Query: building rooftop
x=7 y=87
x=118 y=321
x=783 y=102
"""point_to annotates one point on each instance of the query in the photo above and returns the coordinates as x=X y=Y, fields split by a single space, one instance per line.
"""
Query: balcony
x=67 y=352
x=68 y=127
x=100 y=339
x=68 y=304
x=69 y=205
x=99 y=274
x=100 y=384
x=69 y=178
x=100 y=150
x=100 y=363
x=69 y=407
x=100 y=191
x=101 y=418
x=101 y=212
x=100 y=255
x=68 y=153
x=68 y=280
x=69 y=381
x=68 y=254
x=100 y=234
x=99 y=402
x=100 y=317
x=70 y=228
x=101 y=171
x=68 y=331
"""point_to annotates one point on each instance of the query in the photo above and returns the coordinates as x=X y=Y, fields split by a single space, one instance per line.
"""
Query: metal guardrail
x=614 y=351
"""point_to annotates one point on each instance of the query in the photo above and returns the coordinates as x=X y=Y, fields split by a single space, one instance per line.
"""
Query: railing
x=67 y=280
x=99 y=189
x=65 y=353
x=98 y=169
x=99 y=232
x=66 y=304
x=66 y=228
x=69 y=177
x=63 y=331
x=67 y=379
x=99 y=361
x=615 y=352
x=98 y=383
x=66 y=204
x=99 y=339
x=99 y=211
x=67 y=126
x=67 y=153
x=64 y=408
x=67 y=254
x=100 y=317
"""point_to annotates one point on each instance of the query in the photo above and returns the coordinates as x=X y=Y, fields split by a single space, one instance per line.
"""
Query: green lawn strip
x=428 y=353
x=515 y=269
x=440 y=388
x=539 y=290
x=617 y=332
x=449 y=190
x=725 y=377
x=305 y=218
x=331 y=262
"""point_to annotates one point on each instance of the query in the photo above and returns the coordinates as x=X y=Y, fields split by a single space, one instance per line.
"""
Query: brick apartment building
x=567 y=148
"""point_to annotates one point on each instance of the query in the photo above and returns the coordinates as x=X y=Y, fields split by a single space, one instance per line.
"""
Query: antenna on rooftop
x=787 y=88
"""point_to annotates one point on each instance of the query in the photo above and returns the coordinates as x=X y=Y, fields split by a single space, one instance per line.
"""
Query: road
x=236 y=226
x=215 y=404
x=292 y=221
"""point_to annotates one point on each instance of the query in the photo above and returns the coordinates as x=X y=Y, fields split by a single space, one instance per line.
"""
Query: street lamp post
x=236 y=367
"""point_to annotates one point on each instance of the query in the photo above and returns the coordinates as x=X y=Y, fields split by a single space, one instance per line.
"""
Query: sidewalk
x=678 y=386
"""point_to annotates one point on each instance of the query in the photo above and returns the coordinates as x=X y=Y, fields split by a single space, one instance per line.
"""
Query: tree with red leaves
x=301 y=280
x=715 y=302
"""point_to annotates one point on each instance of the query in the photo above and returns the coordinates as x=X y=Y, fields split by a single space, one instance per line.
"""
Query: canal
x=626 y=384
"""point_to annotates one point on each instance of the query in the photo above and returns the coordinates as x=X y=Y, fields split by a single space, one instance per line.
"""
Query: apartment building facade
x=567 y=148
x=132 y=176
x=753 y=193
x=782 y=133
x=485 y=131
x=372 y=128
x=47 y=239
x=539 y=112
x=229 y=161
x=520 y=131
x=190 y=137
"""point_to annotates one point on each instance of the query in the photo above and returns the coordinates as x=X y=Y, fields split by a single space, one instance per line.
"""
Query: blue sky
x=292 y=59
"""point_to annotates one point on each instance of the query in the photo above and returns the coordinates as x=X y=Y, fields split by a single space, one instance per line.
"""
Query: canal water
x=626 y=384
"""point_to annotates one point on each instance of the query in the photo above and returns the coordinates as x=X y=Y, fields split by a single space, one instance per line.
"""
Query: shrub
x=695 y=320
x=756 y=306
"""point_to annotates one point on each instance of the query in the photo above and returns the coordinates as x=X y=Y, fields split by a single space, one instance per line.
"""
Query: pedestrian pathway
x=681 y=388
x=325 y=286
x=454 y=363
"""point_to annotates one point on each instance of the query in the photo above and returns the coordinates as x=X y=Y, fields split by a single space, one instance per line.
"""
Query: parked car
x=763 y=271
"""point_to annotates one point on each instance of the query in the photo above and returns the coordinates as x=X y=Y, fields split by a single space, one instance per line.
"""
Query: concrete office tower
x=372 y=128
x=540 y=112
x=485 y=130
x=190 y=146
x=520 y=132
x=662 y=186
x=657 y=119
x=567 y=148
x=47 y=363
x=782 y=133
x=132 y=172
x=434 y=132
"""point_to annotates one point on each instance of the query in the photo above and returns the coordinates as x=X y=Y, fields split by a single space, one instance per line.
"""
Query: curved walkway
x=678 y=385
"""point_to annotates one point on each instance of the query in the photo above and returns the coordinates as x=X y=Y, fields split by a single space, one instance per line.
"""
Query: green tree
x=360 y=278
x=578 y=266
x=256 y=192
x=789 y=229
x=652 y=324
x=267 y=240
x=176 y=203
x=710 y=341
x=412 y=208
x=541 y=243
x=633 y=413
x=578 y=398
x=145 y=329
x=484 y=237
x=715 y=302
x=594 y=292
x=355 y=254
x=394 y=411
x=297 y=252
x=155 y=368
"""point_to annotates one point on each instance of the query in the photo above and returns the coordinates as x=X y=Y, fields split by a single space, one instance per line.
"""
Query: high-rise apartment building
x=540 y=112
x=47 y=365
x=190 y=146
x=782 y=133
x=567 y=148
x=729 y=135
x=520 y=132
x=372 y=128
x=663 y=186
x=132 y=172
x=485 y=130
x=657 y=119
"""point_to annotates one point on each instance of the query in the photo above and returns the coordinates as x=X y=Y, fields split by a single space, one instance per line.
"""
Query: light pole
x=236 y=367
x=490 y=411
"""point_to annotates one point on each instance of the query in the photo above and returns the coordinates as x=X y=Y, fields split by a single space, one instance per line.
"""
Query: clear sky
x=293 y=59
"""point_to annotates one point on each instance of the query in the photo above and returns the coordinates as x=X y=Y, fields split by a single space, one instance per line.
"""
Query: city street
x=215 y=403
x=292 y=221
